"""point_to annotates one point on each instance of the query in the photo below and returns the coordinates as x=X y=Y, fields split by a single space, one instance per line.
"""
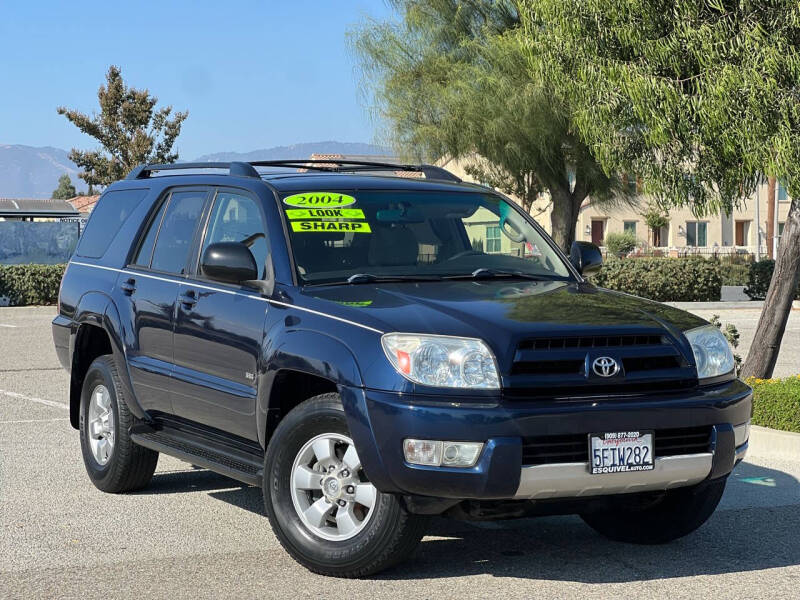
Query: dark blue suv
x=374 y=344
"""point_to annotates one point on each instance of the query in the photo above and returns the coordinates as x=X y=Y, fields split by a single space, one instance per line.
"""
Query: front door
x=220 y=327
x=598 y=232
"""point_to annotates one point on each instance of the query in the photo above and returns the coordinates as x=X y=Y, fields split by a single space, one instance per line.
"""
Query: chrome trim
x=224 y=291
x=569 y=480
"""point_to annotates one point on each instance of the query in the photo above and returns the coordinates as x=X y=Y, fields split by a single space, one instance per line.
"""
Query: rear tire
x=114 y=463
x=298 y=477
x=678 y=513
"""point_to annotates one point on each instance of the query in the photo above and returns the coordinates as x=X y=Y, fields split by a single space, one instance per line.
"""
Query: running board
x=211 y=454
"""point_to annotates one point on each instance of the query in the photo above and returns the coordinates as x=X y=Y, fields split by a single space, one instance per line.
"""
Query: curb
x=772 y=443
x=753 y=304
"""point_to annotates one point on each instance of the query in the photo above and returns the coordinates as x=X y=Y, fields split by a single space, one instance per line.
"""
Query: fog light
x=438 y=453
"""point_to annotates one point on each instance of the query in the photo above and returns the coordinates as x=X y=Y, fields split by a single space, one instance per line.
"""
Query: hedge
x=759 y=277
x=663 y=279
x=776 y=403
x=733 y=274
x=30 y=284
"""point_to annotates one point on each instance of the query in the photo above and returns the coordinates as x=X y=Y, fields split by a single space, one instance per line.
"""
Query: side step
x=238 y=463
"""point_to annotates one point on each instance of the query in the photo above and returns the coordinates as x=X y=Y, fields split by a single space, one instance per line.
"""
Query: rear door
x=148 y=289
x=219 y=327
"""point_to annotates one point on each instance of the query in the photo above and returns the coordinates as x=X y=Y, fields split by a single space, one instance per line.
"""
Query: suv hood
x=501 y=312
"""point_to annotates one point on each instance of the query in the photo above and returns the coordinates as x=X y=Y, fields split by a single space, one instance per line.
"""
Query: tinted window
x=177 y=231
x=146 y=249
x=107 y=217
x=237 y=218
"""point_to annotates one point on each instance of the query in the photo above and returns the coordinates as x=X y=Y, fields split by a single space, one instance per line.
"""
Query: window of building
x=177 y=231
x=106 y=220
x=783 y=196
x=780 y=229
x=696 y=233
x=493 y=240
x=629 y=227
x=632 y=183
x=237 y=218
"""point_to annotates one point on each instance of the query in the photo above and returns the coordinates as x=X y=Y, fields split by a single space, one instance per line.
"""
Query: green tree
x=129 y=130
x=65 y=189
x=451 y=81
x=698 y=97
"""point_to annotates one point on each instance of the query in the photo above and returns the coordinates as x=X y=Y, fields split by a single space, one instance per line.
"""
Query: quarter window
x=111 y=212
x=177 y=231
x=145 y=252
x=237 y=218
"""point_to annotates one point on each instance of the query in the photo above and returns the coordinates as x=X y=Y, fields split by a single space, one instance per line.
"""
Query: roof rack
x=247 y=169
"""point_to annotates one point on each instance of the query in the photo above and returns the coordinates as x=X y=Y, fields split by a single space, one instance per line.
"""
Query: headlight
x=442 y=361
x=711 y=351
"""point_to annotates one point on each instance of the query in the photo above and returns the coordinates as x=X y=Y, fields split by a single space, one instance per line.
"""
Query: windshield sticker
x=319 y=200
x=325 y=213
x=317 y=226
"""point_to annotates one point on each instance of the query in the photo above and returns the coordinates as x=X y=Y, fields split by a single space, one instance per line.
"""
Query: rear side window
x=175 y=236
x=145 y=252
x=111 y=212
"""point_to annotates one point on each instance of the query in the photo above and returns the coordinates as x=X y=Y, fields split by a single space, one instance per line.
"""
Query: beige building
x=685 y=233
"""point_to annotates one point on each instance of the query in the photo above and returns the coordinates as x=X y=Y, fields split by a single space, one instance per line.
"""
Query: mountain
x=28 y=172
x=297 y=151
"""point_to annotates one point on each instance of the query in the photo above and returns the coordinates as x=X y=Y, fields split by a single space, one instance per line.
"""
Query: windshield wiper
x=371 y=277
x=484 y=273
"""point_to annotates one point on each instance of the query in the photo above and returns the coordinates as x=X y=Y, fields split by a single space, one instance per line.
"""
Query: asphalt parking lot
x=195 y=534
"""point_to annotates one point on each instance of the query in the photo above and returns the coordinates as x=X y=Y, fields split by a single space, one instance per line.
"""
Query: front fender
x=303 y=351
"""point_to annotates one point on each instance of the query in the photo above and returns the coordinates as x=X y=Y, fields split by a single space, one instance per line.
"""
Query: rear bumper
x=380 y=421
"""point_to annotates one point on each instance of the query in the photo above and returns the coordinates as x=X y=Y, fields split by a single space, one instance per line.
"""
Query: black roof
x=297 y=182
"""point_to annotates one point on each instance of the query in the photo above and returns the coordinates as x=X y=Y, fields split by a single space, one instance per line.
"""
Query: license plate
x=621 y=452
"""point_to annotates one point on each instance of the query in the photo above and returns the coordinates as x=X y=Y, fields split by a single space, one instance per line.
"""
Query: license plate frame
x=621 y=455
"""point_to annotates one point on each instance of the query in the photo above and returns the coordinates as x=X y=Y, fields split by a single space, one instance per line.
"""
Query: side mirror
x=231 y=262
x=585 y=257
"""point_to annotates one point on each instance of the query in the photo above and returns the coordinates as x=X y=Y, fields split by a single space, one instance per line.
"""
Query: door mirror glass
x=585 y=257
x=230 y=262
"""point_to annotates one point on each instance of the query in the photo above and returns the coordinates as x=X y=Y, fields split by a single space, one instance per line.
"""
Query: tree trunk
x=770 y=216
x=767 y=342
x=564 y=217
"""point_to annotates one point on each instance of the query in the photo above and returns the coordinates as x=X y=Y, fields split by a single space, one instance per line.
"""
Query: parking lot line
x=33 y=421
x=18 y=396
x=9 y=326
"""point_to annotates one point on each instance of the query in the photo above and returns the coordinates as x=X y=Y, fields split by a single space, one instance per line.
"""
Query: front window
x=629 y=227
x=428 y=235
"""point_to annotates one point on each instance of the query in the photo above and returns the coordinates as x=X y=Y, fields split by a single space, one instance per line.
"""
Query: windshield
x=359 y=236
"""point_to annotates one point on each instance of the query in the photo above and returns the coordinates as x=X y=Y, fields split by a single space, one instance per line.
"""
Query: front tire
x=113 y=462
x=678 y=513
x=320 y=504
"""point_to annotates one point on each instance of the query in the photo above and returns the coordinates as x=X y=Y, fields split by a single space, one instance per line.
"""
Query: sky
x=251 y=74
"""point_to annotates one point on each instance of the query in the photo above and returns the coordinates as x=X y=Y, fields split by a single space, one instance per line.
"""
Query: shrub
x=620 y=243
x=30 y=284
x=759 y=277
x=663 y=279
x=776 y=403
x=734 y=274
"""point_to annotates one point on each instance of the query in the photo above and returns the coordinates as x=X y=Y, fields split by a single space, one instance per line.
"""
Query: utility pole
x=758 y=226
x=771 y=218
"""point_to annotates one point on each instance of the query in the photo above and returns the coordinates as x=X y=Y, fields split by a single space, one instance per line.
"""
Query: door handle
x=128 y=287
x=188 y=300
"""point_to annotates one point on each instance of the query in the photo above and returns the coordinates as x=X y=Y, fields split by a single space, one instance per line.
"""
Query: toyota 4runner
x=372 y=349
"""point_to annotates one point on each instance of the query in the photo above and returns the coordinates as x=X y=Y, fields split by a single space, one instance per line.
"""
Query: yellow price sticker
x=323 y=226
x=319 y=200
x=325 y=213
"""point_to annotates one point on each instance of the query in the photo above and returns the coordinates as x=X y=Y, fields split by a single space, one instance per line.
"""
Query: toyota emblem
x=605 y=366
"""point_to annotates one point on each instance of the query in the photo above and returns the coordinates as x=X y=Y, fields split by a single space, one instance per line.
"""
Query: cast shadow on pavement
x=756 y=527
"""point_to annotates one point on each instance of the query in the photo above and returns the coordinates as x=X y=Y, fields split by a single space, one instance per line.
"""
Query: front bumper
x=380 y=421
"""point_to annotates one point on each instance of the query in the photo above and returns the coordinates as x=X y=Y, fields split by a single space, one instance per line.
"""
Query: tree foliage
x=65 y=189
x=450 y=79
x=129 y=129
x=699 y=97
